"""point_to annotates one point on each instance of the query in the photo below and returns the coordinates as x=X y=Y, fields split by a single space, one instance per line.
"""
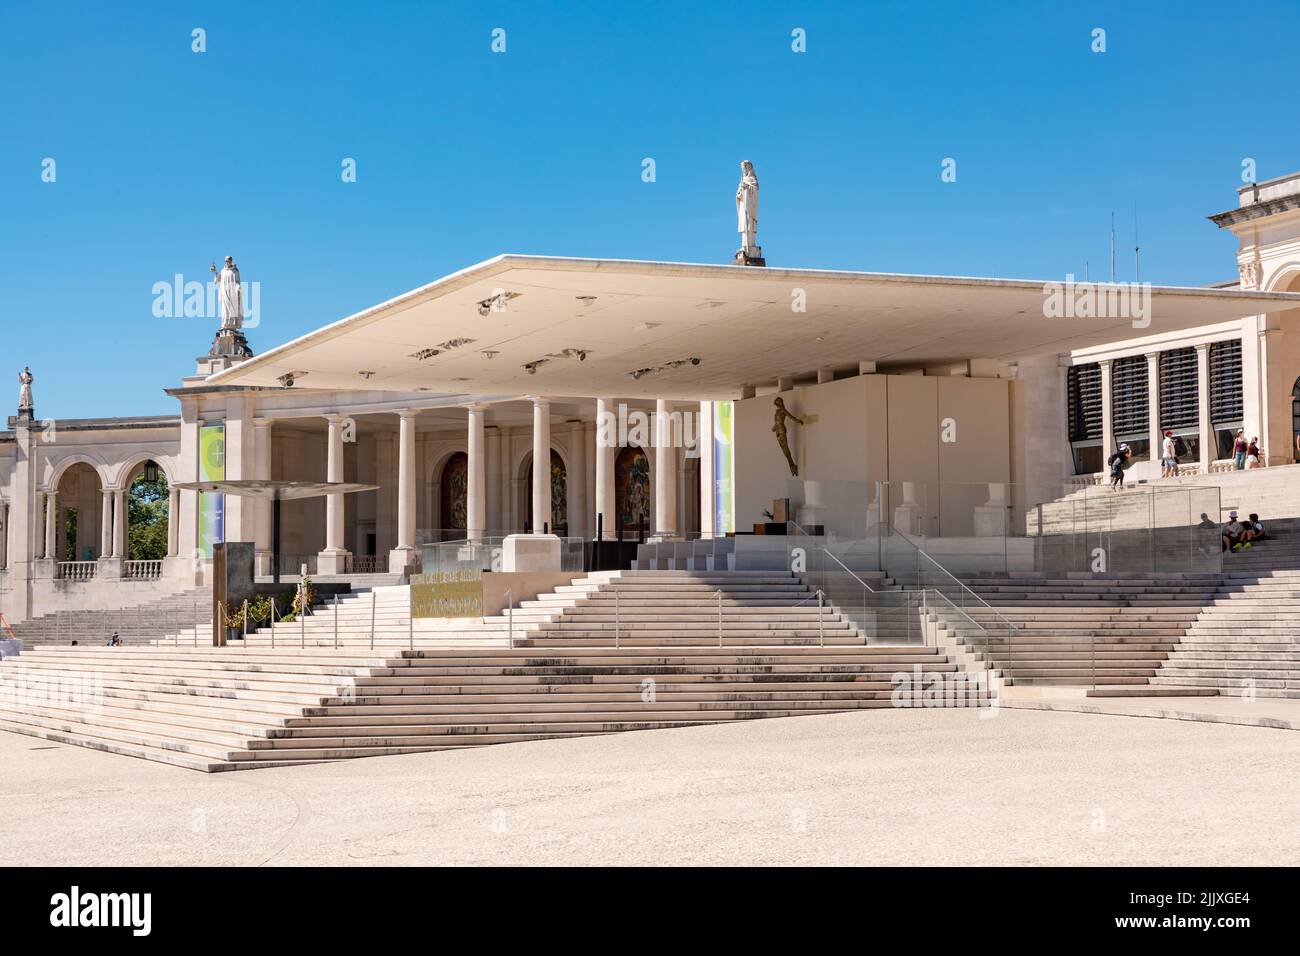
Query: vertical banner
x=212 y=467
x=724 y=459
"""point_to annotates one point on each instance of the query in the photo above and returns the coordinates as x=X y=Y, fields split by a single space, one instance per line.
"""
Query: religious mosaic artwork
x=559 y=495
x=632 y=489
x=453 y=489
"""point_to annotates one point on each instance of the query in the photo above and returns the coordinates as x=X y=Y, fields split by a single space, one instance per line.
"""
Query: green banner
x=212 y=467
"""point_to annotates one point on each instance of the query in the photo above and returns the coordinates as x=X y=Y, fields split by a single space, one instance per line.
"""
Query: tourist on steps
x=1253 y=453
x=1116 y=463
x=1168 y=457
x=115 y=641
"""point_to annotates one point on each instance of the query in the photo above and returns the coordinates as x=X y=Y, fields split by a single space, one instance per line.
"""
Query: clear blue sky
x=168 y=159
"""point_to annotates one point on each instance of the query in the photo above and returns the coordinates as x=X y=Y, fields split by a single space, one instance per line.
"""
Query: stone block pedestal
x=531 y=552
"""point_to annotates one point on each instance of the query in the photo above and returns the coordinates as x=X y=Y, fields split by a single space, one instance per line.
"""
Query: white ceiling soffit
x=643 y=326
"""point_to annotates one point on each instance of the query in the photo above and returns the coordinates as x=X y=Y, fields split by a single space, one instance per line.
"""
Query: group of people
x=1239 y=535
x=1245 y=454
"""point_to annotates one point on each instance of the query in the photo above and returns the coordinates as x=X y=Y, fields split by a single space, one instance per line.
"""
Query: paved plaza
x=885 y=787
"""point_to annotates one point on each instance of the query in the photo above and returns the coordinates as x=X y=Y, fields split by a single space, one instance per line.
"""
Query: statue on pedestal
x=750 y=253
x=25 y=404
x=782 y=439
x=230 y=345
x=229 y=294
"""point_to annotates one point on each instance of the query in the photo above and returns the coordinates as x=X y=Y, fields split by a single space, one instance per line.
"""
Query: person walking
x=1239 y=446
x=1168 y=456
x=1116 y=463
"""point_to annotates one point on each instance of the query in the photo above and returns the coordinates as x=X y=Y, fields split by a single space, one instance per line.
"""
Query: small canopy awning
x=283 y=490
x=555 y=327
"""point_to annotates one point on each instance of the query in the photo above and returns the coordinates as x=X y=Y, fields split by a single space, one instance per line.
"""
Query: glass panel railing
x=1004 y=527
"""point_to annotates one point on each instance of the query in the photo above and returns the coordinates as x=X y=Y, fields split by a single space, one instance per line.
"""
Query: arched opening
x=1295 y=420
x=453 y=484
x=148 y=500
x=631 y=490
x=559 y=495
x=78 y=524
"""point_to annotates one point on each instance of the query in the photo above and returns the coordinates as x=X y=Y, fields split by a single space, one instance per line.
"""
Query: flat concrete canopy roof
x=628 y=329
x=266 y=488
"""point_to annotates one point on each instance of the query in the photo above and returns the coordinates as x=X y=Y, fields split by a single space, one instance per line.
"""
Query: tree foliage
x=147 y=506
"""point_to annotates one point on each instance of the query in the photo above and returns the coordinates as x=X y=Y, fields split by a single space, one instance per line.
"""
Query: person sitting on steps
x=1232 y=533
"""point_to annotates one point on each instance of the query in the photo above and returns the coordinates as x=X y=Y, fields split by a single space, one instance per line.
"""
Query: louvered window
x=1178 y=396
x=1083 y=396
x=1128 y=390
x=1225 y=382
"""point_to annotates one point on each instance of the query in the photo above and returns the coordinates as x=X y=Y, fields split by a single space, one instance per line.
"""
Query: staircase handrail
x=964 y=587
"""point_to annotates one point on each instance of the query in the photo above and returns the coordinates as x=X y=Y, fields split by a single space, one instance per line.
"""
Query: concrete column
x=1275 y=429
x=508 y=490
x=492 y=460
x=606 y=450
x=1155 y=427
x=1108 y=443
x=705 y=447
x=119 y=524
x=334 y=559
x=665 y=472
x=476 y=479
x=541 y=464
x=173 y=522
x=577 y=480
x=262 y=530
x=106 y=523
x=1203 y=405
x=404 y=553
x=49 y=544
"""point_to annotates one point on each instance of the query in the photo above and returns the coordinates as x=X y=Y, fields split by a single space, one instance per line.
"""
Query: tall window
x=1178 y=401
x=1225 y=394
x=1083 y=402
x=1129 y=412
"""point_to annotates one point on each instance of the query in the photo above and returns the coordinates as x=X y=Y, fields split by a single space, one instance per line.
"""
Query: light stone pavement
x=882 y=787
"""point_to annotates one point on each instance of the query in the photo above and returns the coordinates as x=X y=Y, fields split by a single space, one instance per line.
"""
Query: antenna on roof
x=1085 y=270
x=1137 y=248
x=1112 y=246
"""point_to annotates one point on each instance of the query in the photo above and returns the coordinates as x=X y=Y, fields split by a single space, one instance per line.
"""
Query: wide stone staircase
x=624 y=608
x=1110 y=635
x=612 y=652
x=1245 y=642
x=135 y=625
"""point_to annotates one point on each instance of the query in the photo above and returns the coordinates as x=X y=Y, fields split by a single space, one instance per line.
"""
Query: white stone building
x=445 y=396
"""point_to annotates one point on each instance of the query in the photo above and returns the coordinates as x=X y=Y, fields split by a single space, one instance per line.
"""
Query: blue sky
x=168 y=159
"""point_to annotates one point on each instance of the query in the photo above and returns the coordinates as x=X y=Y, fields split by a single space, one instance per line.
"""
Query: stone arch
x=154 y=515
x=124 y=474
x=1285 y=278
x=80 y=518
x=60 y=467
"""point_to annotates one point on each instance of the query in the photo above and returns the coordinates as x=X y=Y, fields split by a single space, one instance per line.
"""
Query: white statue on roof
x=229 y=294
x=749 y=252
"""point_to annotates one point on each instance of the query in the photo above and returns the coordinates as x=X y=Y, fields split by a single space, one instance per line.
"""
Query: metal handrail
x=961 y=585
x=831 y=555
